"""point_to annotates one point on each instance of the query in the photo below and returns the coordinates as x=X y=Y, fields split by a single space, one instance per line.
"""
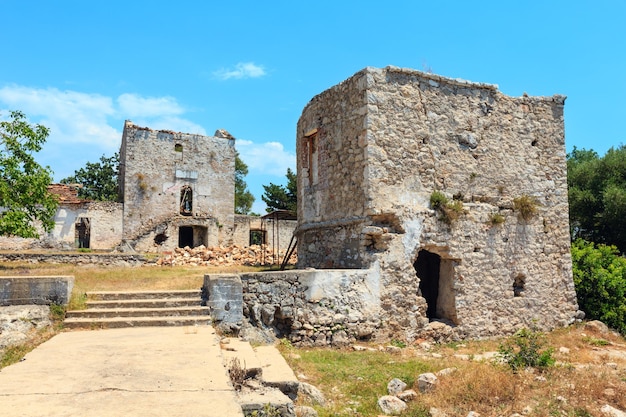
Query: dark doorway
x=436 y=275
x=185 y=236
x=427 y=267
x=82 y=232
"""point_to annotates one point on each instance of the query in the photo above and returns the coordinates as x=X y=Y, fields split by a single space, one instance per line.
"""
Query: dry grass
x=579 y=385
x=142 y=278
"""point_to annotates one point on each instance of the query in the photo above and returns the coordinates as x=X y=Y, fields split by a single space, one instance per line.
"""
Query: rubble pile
x=254 y=255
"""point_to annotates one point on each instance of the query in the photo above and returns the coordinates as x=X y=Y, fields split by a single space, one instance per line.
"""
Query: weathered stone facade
x=371 y=152
x=177 y=188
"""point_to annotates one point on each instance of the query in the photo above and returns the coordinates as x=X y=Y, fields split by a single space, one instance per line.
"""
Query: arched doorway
x=436 y=275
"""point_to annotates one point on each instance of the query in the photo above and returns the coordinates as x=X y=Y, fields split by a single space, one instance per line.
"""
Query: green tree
x=600 y=279
x=597 y=196
x=280 y=197
x=243 y=197
x=24 y=196
x=99 y=179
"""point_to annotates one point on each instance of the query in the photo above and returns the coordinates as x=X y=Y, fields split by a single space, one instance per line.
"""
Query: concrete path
x=156 y=371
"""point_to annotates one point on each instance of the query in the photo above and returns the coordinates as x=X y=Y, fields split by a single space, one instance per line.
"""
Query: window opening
x=82 y=232
x=178 y=147
x=186 y=201
x=312 y=156
x=258 y=237
x=519 y=284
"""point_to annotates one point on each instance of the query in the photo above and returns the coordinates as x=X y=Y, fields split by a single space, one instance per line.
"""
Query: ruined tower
x=455 y=193
x=177 y=188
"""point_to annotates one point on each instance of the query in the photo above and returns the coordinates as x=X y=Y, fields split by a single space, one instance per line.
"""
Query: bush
x=600 y=280
x=525 y=349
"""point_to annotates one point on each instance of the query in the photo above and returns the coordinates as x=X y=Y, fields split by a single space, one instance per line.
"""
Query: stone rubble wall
x=311 y=307
x=117 y=260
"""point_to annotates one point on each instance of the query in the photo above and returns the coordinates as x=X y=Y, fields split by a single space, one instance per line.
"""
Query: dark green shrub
x=438 y=199
x=600 y=280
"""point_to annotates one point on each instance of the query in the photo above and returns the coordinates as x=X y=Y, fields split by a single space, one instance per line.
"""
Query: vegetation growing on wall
x=525 y=206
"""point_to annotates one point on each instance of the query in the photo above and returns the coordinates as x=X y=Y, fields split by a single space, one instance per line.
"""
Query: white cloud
x=71 y=116
x=133 y=105
x=268 y=158
x=241 y=70
x=85 y=126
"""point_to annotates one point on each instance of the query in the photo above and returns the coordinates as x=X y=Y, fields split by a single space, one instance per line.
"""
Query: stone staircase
x=113 y=309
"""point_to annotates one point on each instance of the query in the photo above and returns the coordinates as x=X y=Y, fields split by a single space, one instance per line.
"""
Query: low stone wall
x=35 y=290
x=309 y=307
x=106 y=259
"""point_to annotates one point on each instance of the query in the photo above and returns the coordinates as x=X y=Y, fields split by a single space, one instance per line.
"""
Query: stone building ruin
x=177 y=188
x=371 y=153
x=427 y=207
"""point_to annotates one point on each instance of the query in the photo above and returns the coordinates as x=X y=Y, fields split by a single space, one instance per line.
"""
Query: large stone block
x=35 y=290
x=223 y=294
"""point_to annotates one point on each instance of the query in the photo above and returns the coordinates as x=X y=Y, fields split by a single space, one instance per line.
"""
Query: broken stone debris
x=254 y=255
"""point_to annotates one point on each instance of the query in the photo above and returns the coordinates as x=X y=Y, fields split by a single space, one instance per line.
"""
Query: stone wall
x=105 y=219
x=309 y=307
x=385 y=140
x=105 y=259
x=277 y=234
x=156 y=167
x=35 y=290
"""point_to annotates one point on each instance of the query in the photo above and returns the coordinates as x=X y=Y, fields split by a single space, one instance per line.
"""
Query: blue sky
x=82 y=68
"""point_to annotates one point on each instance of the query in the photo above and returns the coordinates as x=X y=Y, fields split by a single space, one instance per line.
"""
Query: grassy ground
x=592 y=374
x=580 y=383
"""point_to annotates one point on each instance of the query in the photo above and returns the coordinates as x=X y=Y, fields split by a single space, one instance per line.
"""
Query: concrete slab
x=233 y=348
x=275 y=367
x=164 y=371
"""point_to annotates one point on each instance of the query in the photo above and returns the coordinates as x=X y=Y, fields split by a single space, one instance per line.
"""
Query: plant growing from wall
x=526 y=206
x=449 y=211
x=496 y=219
x=141 y=182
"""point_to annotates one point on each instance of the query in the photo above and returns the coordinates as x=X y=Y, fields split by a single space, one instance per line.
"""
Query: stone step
x=267 y=401
x=138 y=312
x=275 y=370
x=142 y=295
x=144 y=303
x=118 y=322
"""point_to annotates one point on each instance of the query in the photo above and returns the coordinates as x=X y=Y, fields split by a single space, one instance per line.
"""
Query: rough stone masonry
x=371 y=153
